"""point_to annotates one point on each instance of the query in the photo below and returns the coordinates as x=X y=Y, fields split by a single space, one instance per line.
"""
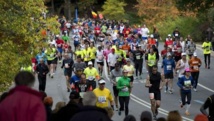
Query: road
x=139 y=101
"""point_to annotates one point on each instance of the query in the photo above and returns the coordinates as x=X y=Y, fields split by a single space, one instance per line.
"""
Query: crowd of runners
x=85 y=48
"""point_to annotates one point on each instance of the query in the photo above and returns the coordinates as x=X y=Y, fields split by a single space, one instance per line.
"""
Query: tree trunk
x=52 y=6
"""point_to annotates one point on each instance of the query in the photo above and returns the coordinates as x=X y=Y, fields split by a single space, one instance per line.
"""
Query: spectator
x=48 y=102
x=67 y=112
x=146 y=116
x=110 y=112
x=90 y=112
x=161 y=119
x=174 y=116
x=201 y=117
x=3 y=96
x=59 y=105
x=129 y=118
x=208 y=104
x=23 y=103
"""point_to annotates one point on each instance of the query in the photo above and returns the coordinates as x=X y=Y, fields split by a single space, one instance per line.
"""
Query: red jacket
x=22 y=104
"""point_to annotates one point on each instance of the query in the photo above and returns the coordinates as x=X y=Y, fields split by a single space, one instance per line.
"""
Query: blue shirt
x=184 y=82
x=168 y=65
x=41 y=56
x=74 y=79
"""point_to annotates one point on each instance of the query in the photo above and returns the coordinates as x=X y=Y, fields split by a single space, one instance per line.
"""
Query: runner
x=177 y=51
x=79 y=64
x=86 y=54
x=138 y=61
x=76 y=77
x=114 y=76
x=195 y=64
x=51 y=56
x=67 y=64
x=151 y=60
x=123 y=85
x=91 y=74
x=112 y=59
x=186 y=83
x=191 y=48
x=42 y=70
x=100 y=59
x=104 y=96
x=155 y=82
x=130 y=68
x=59 y=43
x=106 y=52
x=93 y=51
x=168 y=67
x=206 y=46
x=209 y=103
x=76 y=39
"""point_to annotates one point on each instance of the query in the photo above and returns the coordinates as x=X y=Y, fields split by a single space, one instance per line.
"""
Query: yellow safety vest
x=151 y=59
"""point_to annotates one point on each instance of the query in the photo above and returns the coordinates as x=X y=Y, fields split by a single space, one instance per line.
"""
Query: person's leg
x=183 y=99
x=205 y=60
x=121 y=101
x=152 y=100
x=208 y=57
x=44 y=83
x=189 y=96
x=136 y=69
x=115 y=96
x=126 y=105
x=40 y=83
x=67 y=83
x=196 y=79
x=193 y=74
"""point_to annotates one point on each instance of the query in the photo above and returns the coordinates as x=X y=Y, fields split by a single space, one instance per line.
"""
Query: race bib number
x=81 y=94
x=59 y=45
x=90 y=77
x=101 y=99
x=179 y=50
x=195 y=67
x=138 y=57
x=168 y=67
x=100 y=58
x=101 y=38
x=51 y=55
x=170 y=46
x=187 y=83
x=66 y=65
x=176 y=35
x=76 y=39
x=126 y=89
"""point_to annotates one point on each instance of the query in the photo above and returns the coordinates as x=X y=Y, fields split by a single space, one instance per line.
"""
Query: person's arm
x=63 y=64
x=110 y=98
x=148 y=84
x=205 y=106
x=179 y=83
x=203 y=46
x=119 y=86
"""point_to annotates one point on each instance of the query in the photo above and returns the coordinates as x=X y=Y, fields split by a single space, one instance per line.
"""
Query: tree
x=21 y=24
x=154 y=11
x=114 y=9
x=195 y=5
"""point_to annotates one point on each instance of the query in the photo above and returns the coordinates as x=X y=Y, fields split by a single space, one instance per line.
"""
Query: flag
x=94 y=14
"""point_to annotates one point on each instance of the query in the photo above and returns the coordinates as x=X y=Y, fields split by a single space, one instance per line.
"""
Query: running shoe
x=136 y=78
x=119 y=113
x=181 y=105
x=208 y=67
x=187 y=113
x=195 y=89
x=155 y=117
x=170 y=92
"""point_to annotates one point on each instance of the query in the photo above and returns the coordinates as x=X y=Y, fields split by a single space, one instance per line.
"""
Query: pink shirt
x=106 y=52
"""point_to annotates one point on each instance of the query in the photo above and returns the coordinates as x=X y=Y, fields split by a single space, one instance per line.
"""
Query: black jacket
x=91 y=113
x=42 y=68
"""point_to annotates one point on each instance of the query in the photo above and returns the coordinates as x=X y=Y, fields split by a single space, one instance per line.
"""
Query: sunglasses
x=102 y=83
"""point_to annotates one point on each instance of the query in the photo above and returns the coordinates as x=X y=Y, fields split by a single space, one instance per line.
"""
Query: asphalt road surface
x=139 y=101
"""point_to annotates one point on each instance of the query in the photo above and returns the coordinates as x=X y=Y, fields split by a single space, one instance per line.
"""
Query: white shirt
x=114 y=36
x=100 y=56
x=144 y=32
x=53 y=42
x=68 y=25
x=184 y=66
x=121 y=29
x=112 y=59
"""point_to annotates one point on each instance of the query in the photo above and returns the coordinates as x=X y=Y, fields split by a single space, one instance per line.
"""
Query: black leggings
x=124 y=100
x=207 y=56
x=195 y=76
x=185 y=95
x=138 y=67
x=42 y=83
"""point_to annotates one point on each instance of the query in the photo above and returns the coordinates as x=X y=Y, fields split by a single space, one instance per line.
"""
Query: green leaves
x=114 y=9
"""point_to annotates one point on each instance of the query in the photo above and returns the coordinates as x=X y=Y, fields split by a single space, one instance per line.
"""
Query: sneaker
x=155 y=117
x=208 y=67
x=205 y=66
x=165 y=91
x=181 y=105
x=187 y=113
x=195 y=89
x=156 y=112
x=136 y=78
x=170 y=92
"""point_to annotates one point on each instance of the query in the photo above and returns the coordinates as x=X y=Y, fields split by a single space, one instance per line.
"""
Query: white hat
x=169 y=35
x=182 y=54
x=195 y=54
x=151 y=35
x=57 y=35
x=102 y=81
x=90 y=63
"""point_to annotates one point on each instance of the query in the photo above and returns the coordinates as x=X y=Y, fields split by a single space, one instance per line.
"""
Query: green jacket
x=123 y=91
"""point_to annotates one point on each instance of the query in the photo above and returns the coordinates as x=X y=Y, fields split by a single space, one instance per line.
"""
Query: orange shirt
x=126 y=48
x=194 y=64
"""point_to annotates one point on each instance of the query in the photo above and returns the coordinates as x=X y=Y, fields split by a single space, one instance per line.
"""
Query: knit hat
x=48 y=101
x=200 y=117
x=146 y=115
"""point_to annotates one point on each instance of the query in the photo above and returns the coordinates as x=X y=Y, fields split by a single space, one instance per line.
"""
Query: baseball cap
x=102 y=81
x=187 y=70
x=57 y=35
x=183 y=54
x=151 y=35
x=169 y=35
x=195 y=54
x=74 y=95
x=90 y=63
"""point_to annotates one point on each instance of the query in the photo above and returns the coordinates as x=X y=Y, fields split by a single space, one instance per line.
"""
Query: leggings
x=138 y=67
x=124 y=100
x=207 y=56
x=195 y=76
x=184 y=96
x=42 y=83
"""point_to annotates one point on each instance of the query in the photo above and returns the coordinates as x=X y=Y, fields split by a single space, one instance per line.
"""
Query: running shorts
x=169 y=75
x=100 y=63
x=115 y=91
x=131 y=78
x=60 y=50
x=157 y=95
